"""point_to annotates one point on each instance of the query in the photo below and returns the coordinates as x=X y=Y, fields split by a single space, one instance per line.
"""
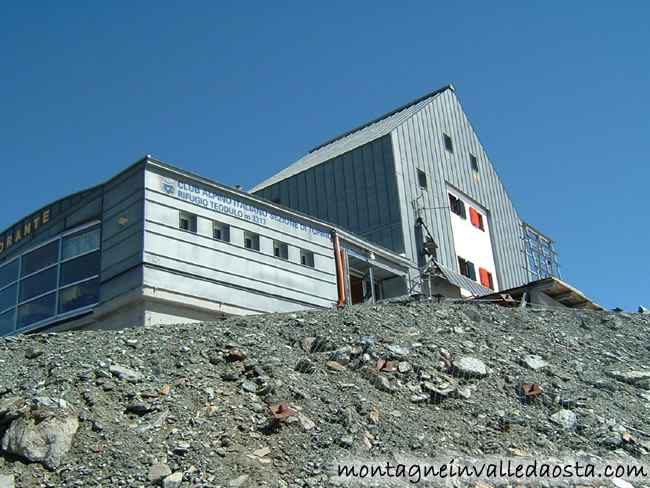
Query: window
x=8 y=273
x=55 y=278
x=251 y=241
x=80 y=243
x=476 y=218
x=466 y=268
x=221 y=232
x=449 y=147
x=40 y=309
x=79 y=296
x=187 y=221
x=486 y=278
x=307 y=258
x=37 y=284
x=79 y=269
x=473 y=162
x=422 y=179
x=40 y=258
x=280 y=250
x=457 y=206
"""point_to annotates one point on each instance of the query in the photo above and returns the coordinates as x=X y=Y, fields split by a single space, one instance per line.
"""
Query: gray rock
x=174 y=480
x=126 y=374
x=7 y=481
x=536 y=363
x=305 y=366
x=40 y=436
x=158 y=472
x=564 y=418
x=468 y=366
x=398 y=350
x=249 y=386
x=630 y=376
x=238 y=481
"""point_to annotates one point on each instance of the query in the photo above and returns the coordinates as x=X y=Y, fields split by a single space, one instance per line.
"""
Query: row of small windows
x=221 y=232
x=449 y=147
x=54 y=279
x=457 y=206
x=466 y=268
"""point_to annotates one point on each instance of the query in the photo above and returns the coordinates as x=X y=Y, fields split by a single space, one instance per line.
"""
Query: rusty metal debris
x=385 y=365
x=281 y=411
x=531 y=389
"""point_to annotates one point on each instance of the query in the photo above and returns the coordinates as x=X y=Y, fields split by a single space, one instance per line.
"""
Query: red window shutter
x=474 y=217
x=485 y=277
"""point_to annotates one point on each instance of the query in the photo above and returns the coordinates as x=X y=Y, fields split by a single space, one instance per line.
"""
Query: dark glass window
x=457 y=206
x=221 y=232
x=36 y=310
x=80 y=243
x=78 y=296
x=7 y=322
x=449 y=147
x=307 y=258
x=37 y=284
x=251 y=241
x=41 y=258
x=422 y=179
x=8 y=297
x=280 y=250
x=8 y=273
x=79 y=268
x=473 y=162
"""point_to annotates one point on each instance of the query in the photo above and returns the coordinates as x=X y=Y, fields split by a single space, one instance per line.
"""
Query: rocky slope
x=196 y=405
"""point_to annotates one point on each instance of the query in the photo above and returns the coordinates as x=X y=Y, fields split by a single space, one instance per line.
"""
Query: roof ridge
x=382 y=117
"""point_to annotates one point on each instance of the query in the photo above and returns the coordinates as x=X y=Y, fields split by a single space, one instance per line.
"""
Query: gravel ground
x=196 y=405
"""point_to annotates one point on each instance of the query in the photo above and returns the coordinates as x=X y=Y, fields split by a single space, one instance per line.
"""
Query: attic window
x=449 y=147
x=473 y=162
x=422 y=179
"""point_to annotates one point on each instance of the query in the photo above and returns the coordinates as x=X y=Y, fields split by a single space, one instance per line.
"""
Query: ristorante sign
x=14 y=235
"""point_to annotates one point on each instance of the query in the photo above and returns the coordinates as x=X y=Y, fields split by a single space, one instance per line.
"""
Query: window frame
x=280 y=249
x=254 y=240
x=473 y=162
x=223 y=229
x=449 y=144
x=422 y=179
x=190 y=218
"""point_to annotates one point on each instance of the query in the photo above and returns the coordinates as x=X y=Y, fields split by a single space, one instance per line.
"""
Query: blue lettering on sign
x=231 y=206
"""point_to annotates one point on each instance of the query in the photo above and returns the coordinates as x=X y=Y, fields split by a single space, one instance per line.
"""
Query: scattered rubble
x=277 y=400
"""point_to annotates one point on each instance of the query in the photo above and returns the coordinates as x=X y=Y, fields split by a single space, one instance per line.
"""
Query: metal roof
x=352 y=139
x=463 y=282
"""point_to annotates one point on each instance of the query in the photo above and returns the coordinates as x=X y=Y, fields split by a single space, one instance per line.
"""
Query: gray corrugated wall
x=356 y=190
x=418 y=143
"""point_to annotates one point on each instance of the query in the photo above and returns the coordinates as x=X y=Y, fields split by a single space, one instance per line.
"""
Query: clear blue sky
x=558 y=92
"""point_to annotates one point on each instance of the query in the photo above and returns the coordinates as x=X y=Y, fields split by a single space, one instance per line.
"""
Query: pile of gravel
x=278 y=400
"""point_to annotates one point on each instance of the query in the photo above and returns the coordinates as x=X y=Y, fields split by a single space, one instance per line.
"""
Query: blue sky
x=558 y=92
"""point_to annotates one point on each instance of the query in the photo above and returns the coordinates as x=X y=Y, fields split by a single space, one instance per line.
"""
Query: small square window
x=457 y=206
x=280 y=250
x=187 y=221
x=307 y=258
x=251 y=241
x=221 y=232
x=473 y=162
x=466 y=268
x=449 y=147
x=422 y=179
